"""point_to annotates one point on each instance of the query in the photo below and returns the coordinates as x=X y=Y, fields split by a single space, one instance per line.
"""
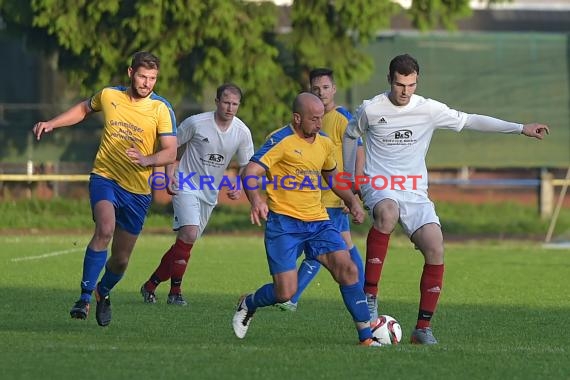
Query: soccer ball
x=388 y=330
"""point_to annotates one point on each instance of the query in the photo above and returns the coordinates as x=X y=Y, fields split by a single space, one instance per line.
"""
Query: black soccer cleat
x=80 y=310
x=103 y=309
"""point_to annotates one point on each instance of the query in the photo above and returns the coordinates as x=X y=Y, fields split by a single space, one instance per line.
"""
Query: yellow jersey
x=334 y=124
x=127 y=124
x=293 y=167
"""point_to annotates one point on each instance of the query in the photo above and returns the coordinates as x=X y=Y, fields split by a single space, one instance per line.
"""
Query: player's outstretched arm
x=259 y=210
x=70 y=117
x=535 y=130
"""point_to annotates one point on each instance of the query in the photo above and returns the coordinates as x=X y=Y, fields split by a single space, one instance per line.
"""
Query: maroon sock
x=162 y=272
x=179 y=264
x=376 y=250
x=431 y=284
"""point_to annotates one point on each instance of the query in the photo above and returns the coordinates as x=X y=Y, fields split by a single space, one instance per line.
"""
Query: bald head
x=303 y=101
x=308 y=112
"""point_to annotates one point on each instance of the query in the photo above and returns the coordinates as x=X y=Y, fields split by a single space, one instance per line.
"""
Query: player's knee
x=346 y=273
x=352 y=274
x=104 y=234
x=386 y=219
x=434 y=254
x=188 y=235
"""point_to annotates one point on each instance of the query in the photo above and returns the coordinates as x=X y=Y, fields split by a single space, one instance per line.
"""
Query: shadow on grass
x=40 y=340
x=209 y=316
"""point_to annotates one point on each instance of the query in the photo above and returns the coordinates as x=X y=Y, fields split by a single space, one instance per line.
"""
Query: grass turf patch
x=502 y=314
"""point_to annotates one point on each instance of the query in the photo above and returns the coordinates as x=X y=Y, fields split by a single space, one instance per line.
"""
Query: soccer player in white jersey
x=206 y=144
x=397 y=126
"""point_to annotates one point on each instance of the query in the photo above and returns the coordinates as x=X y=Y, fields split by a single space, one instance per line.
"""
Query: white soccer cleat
x=242 y=318
x=370 y=342
x=287 y=306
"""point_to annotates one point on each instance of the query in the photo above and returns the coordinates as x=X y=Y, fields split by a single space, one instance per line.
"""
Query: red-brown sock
x=431 y=284
x=162 y=272
x=179 y=264
x=376 y=249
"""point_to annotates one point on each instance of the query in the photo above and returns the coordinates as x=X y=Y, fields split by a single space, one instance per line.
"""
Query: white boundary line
x=46 y=255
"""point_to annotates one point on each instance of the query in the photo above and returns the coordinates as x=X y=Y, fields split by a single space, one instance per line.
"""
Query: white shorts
x=189 y=210
x=416 y=210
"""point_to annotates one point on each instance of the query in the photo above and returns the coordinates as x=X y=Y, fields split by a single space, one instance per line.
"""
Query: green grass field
x=504 y=314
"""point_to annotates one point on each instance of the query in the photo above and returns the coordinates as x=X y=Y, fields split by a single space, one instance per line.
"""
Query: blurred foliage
x=203 y=43
x=429 y=14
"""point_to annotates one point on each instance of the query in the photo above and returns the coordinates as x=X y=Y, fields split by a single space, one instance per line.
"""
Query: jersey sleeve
x=166 y=120
x=245 y=149
x=358 y=124
x=444 y=117
x=269 y=154
x=185 y=131
x=94 y=103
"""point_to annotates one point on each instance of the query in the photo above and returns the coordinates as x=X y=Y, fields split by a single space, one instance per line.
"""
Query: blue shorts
x=130 y=208
x=285 y=237
x=339 y=218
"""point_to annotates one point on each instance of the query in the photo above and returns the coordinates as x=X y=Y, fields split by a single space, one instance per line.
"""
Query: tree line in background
x=203 y=43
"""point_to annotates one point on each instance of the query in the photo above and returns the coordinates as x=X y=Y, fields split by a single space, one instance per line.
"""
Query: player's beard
x=136 y=94
x=309 y=135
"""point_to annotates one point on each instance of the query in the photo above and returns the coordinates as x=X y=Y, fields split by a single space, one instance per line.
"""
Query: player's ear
x=130 y=72
x=297 y=118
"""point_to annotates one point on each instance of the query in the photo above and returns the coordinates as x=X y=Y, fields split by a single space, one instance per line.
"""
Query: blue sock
x=93 y=264
x=264 y=296
x=355 y=301
x=356 y=259
x=307 y=271
x=108 y=282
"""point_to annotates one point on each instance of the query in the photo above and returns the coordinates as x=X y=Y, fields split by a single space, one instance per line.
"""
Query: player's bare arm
x=171 y=170
x=259 y=209
x=166 y=155
x=535 y=130
x=350 y=200
x=359 y=167
x=235 y=192
x=70 y=117
x=180 y=151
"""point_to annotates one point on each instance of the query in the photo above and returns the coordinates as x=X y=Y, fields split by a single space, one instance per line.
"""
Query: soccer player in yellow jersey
x=136 y=122
x=333 y=125
x=296 y=158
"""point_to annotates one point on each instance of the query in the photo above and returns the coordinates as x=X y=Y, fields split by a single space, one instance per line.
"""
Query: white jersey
x=397 y=138
x=208 y=154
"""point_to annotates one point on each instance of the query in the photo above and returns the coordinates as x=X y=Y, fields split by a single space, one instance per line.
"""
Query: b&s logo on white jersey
x=213 y=159
x=400 y=137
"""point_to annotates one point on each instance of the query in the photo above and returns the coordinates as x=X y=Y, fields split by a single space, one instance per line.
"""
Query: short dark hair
x=321 y=72
x=231 y=88
x=146 y=60
x=403 y=64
